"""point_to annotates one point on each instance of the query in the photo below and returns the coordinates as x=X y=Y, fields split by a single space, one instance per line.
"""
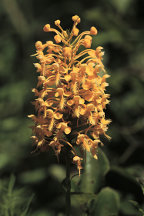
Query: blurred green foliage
x=13 y=202
x=114 y=184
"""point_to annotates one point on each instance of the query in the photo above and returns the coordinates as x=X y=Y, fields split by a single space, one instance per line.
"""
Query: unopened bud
x=67 y=51
x=39 y=45
x=75 y=31
x=76 y=18
x=57 y=38
x=47 y=28
x=93 y=31
x=57 y=22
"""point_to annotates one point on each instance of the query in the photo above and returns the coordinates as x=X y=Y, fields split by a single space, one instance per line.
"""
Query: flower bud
x=39 y=45
x=93 y=31
x=67 y=51
x=57 y=22
x=76 y=19
x=47 y=28
x=57 y=38
x=75 y=31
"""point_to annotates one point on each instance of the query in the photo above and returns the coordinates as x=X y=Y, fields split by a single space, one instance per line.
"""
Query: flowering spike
x=71 y=92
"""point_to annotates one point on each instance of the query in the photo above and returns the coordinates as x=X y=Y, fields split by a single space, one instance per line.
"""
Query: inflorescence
x=70 y=93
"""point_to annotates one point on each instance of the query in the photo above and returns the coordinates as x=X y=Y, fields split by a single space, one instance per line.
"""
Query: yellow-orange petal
x=105 y=121
x=93 y=30
x=75 y=70
x=88 y=37
x=67 y=94
x=67 y=130
x=59 y=125
x=41 y=142
x=77 y=158
x=95 y=156
x=38 y=66
x=34 y=137
x=48 y=133
x=50 y=113
x=81 y=101
x=89 y=96
x=70 y=102
x=89 y=71
x=56 y=94
x=59 y=92
x=49 y=103
x=86 y=145
x=85 y=86
x=83 y=110
x=90 y=107
x=67 y=77
x=49 y=43
x=41 y=78
x=58 y=115
x=92 y=53
x=51 y=124
x=31 y=116
x=99 y=52
x=105 y=76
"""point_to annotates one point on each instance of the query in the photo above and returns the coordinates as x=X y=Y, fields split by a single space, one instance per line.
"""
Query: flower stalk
x=68 y=184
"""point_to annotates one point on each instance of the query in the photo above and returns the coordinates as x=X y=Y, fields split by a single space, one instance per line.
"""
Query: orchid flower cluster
x=70 y=93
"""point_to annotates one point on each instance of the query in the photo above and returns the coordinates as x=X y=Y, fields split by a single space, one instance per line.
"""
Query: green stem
x=68 y=185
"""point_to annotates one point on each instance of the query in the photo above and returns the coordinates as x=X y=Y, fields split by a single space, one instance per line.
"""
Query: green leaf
x=94 y=172
x=27 y=206
x=129 y=207
x=13 y=202
x=106 y=204
x=81 y=198
x=11 y=185
x=80 y=202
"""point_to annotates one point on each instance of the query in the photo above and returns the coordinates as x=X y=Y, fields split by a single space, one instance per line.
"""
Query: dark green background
x=120 y=27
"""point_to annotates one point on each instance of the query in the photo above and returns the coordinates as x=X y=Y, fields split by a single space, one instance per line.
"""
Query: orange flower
x=76 y=102
x=70 y=91
x=62 y=126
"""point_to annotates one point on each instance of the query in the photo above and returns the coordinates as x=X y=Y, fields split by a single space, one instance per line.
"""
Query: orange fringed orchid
x=70 y=92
